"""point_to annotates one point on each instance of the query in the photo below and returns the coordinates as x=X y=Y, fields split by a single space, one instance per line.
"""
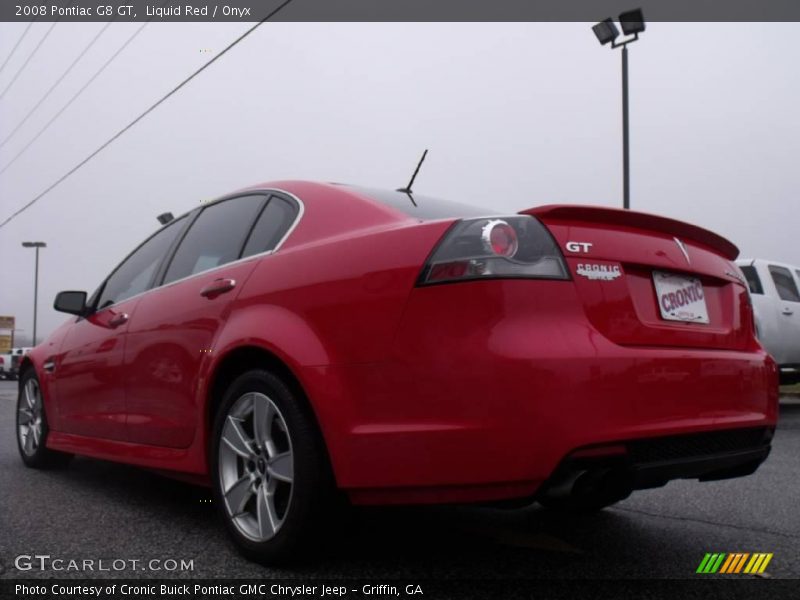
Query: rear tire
x=272 y=484
x=32 y=427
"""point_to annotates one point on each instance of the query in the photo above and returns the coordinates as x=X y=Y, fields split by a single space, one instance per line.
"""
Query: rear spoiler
x=616 y=216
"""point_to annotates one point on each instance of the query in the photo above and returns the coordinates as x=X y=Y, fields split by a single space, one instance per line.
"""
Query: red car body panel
x=469 y=391
x=91 y=400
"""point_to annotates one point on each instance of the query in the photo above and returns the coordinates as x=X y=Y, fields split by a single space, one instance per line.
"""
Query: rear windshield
x=753 y=281
x=425 y=207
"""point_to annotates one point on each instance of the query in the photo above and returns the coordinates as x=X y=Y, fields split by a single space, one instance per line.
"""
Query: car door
x=789 y=314
x=175 y=325
x=89 y=366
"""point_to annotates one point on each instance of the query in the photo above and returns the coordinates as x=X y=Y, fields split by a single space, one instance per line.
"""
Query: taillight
x=499 y=238
x=508 y=247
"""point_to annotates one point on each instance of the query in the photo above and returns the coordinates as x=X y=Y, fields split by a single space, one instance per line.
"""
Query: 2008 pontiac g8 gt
x=297 y=341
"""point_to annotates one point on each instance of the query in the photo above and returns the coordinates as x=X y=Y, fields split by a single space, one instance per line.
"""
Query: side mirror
x=73 y=303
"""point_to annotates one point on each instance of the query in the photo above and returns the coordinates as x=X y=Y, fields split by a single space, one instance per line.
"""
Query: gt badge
x=578 y=246
x=601 y=272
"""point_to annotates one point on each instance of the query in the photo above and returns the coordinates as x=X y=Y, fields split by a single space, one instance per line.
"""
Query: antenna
x=407 y=189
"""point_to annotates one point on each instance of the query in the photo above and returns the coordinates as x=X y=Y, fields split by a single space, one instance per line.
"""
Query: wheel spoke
x=25 y=415
x=263 y=414
x=28 y=396
x=234 y=436
x=238 y=494
x=36 y=434
x=281 y=467
x=266 y=513
x=28 y=443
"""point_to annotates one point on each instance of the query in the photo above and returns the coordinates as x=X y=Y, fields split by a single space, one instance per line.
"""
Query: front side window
x=135 y=274
x=784 y=283
x=216 y=237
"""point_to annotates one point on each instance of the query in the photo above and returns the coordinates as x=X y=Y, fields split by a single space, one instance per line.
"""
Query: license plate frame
x=680 y=298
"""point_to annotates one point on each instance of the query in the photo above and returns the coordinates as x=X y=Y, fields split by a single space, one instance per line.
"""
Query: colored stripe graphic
x=703 y=563
x=734 y=562
x=753 y=563
x=711 y=563
x=729 y=563
x=715 y=567
x=741 y=562
x=765 y=563
x=758 y=563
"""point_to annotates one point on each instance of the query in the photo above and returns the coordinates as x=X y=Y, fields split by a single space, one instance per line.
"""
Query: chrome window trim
x=301 y=211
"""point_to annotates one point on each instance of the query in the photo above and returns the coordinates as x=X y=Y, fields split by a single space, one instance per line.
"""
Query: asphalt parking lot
x=99 y=510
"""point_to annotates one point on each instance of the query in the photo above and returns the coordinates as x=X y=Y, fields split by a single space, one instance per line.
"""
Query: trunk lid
x=646 y=280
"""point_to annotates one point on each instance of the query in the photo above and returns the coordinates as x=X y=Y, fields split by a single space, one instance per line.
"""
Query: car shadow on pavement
x=163 y=515
x=432 y=541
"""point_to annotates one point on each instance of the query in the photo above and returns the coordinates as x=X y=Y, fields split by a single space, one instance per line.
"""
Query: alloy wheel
x=29 y=417
x=256 y=466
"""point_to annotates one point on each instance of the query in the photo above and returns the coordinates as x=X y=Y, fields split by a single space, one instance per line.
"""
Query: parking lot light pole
x=35 y=245
x=606 y=31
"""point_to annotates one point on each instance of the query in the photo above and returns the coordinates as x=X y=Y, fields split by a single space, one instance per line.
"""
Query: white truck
x=775 y=291
x=9 y=363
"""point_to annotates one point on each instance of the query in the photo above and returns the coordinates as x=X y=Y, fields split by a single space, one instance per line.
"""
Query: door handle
x=787 y=311
x=217 y=287
x=118 y=319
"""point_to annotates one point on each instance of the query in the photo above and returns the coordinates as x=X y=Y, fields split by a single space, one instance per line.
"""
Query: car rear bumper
x=651 y=462
x=485 y=402
x=464 y=436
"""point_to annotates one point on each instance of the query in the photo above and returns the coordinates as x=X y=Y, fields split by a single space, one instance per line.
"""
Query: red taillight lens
x=511 y=247
x=499 y=237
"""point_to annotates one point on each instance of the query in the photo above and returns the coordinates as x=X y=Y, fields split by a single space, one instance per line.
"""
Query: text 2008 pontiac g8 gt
x=295 y=339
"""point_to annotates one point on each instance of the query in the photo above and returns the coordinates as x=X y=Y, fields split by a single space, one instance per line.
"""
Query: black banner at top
x=394 y=10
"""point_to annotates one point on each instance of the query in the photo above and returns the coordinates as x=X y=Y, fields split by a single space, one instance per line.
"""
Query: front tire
x=270 y=476
x=32 y=427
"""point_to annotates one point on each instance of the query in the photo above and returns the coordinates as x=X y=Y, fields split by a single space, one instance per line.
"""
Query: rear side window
x=272 y=225
x=784 y=282
x=753 y=280
x=216 y=237
x=135 y=274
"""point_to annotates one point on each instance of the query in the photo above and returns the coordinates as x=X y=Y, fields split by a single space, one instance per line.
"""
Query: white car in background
x=775 y=290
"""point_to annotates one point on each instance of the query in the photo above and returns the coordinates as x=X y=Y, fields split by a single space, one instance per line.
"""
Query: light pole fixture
x=35 y=245
x=632 y=23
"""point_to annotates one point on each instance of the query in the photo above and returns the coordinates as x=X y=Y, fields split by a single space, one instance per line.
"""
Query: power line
x=55 y=85
x=14 y=49
x=27 y=60
x=146 y=112
x=71 y=100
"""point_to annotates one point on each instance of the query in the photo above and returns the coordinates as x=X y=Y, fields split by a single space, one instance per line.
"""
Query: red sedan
x=295 y=341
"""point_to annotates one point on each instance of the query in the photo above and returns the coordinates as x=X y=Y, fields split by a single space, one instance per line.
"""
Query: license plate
x=680 y=298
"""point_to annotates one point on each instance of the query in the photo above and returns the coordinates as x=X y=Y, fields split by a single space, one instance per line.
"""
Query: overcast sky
x=515 y=115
